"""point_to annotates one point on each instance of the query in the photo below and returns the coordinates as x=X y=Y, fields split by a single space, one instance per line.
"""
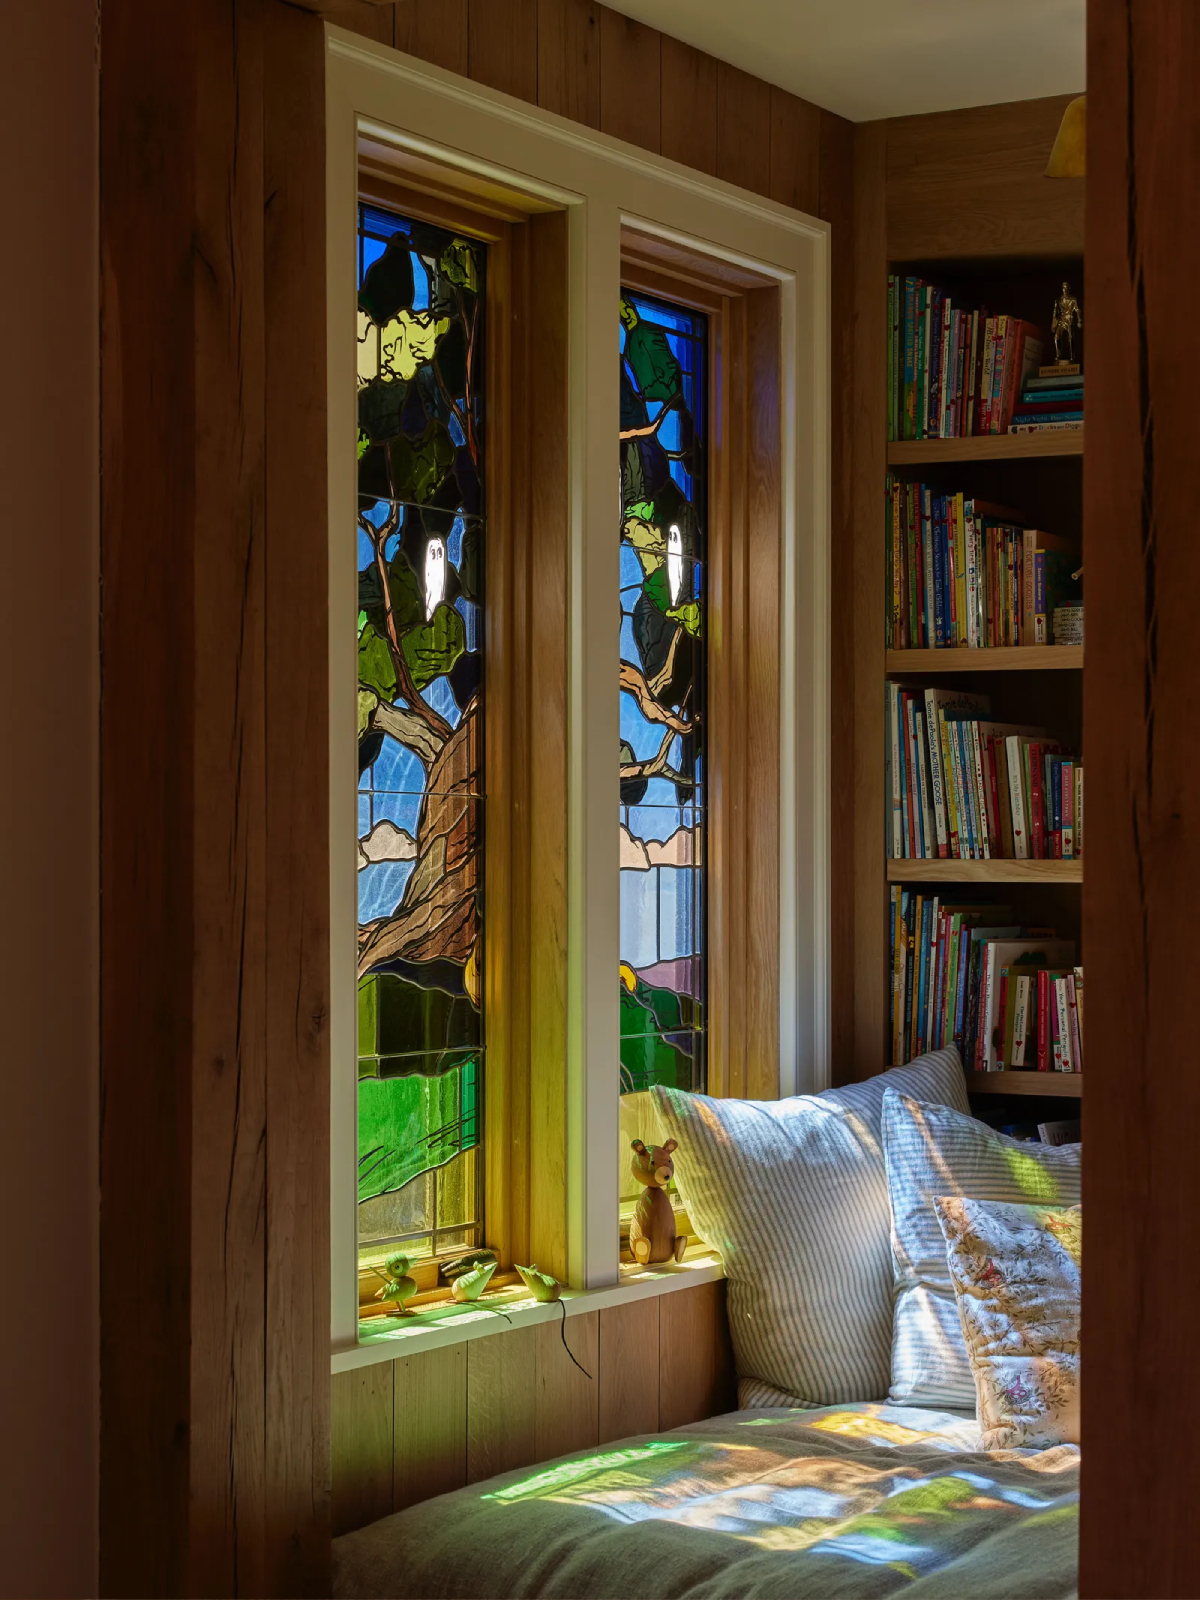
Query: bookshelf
x=1045 y=1085
x=1001 y=658
x=1001 y=447
x=1003 y=871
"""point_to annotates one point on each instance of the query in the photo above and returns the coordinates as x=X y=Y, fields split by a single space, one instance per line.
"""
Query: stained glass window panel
x=421 y=530
x=664 y=480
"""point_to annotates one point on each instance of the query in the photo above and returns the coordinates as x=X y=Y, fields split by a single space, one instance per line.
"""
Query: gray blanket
x=848 y=1501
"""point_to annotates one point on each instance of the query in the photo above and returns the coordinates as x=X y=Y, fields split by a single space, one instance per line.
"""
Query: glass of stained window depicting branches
x=421 y=535
x=664 y=478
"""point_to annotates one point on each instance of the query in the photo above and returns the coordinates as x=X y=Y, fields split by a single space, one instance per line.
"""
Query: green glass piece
x=411 y=1125
x=406 y=1017
x=419 y=465
x=375 y=669
x=652 y=361
x=432 y=648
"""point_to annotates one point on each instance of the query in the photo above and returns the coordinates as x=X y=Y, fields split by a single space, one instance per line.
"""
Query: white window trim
x=603 y=184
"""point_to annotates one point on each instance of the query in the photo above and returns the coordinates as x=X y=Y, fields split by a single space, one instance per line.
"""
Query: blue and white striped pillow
x=793 y=1193
x=933 y=1152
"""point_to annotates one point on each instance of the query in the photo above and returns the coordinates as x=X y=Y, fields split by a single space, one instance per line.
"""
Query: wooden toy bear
x=652 y=1230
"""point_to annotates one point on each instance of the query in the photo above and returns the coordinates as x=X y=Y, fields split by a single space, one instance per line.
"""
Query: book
x=1065 y=1131
x=1026 y=953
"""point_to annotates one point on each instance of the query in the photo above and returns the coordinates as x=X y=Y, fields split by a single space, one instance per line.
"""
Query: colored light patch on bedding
x=571 y=1472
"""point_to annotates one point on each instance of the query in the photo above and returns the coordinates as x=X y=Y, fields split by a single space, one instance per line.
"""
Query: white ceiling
x=888 y=58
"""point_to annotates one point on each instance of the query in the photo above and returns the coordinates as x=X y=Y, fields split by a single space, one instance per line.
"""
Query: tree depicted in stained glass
x=420 y=745
x=662 y=683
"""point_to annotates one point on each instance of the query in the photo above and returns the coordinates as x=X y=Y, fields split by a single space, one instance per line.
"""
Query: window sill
x=450 y=1323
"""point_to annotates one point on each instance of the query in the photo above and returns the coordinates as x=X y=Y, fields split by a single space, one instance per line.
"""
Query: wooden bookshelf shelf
x=986 y=447
x=1063 y=1085
x=1003 y=658
x=950 y=871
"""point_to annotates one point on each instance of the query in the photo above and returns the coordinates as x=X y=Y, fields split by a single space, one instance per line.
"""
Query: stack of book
x=962 y=572
x=1050 y=400
x=1010 y=998
x=953 y=370
x=963 y=786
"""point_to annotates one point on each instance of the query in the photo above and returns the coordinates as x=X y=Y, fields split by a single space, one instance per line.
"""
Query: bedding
x=933 y=1151
x=851 y=1501
x=793 y=1193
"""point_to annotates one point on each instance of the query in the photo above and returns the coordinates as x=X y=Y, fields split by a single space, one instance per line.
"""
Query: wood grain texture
x=743 y=129
x=1001 y=658
x=1141 y=1398
x=1066 y=1085
x=435 y=30
x=689 y=105
x=502 y=46
x=566 y=1409
x=868 y=467
x=430 y=1415
x=971 y=183
x=997 y=447
x=695 y=1358
x=628 y=1370
x=365 y=17
x=568 y=46
x=630 y=79
x=796 y=138
x=996 y=871
x=501 y=1403
x=361 y=1409
x=835 y=204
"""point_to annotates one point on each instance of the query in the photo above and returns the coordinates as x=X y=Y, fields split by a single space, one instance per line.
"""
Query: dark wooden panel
x=796 y=135
x=568 y=43
x=430 y=1412
x=695 y=1359
x=971 y=183
x=503 y=46
x=435 y=30
x=297 y=836
x=566 y=1410
x=836 y=206
x=630 y=79
x=628 y=1370
x=743 y=129
x=689 y=105
x=364 y=17
x=1141 y=1396
x=361 y=1410
x=501 y=1403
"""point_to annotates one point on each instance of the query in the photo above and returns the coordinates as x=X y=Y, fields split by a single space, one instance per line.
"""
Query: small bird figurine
x=540 y=1284
x=472 y=1284
x=398 y=1286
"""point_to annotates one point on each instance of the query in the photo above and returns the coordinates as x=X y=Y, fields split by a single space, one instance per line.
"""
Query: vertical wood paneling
x=362 y=1417
x=628 y=1370
x=364 y=17
x=430 y=1412
x=502 y=46
x=630 y=79
x=568 y=45
x=297 y=851
x=869 y=467
x=1141 y=1395
x=743 y=129
x=435 y=30
x=566 y=1410
x=836 y=206
x=689 y=105
x=501 y=1403
x=695 y=1360
x=796 y=171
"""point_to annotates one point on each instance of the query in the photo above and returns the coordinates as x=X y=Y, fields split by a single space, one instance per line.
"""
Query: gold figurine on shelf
x=1063 y=323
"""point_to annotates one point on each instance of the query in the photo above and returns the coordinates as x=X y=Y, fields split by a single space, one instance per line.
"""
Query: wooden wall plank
x=297 y=693
x=361 y=1406
x=435 y=30
x=566 y=1409
x=796 y=143
x=501 y=1403
x=971 y=183
x=568 y=43
x=836 y=206
x=689 y=105
x=430 y=1418
x=365 y=17
x=628 y=1370
x=743 y=129
x=630 y=79
x=1141 y=1396
x=695 y=1358
x=502 y=46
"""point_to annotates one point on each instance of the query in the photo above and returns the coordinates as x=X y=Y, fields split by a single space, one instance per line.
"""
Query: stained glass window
x=664 y=480
x=421 y=535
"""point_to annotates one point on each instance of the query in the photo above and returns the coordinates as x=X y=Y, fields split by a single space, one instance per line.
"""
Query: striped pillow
x=793 y=1193
x=932 y=1152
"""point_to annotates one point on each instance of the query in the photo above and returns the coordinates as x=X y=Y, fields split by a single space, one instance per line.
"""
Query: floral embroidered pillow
x=1015 y=1270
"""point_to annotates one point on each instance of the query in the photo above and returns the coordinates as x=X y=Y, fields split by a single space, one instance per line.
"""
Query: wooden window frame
x=551 y=1108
